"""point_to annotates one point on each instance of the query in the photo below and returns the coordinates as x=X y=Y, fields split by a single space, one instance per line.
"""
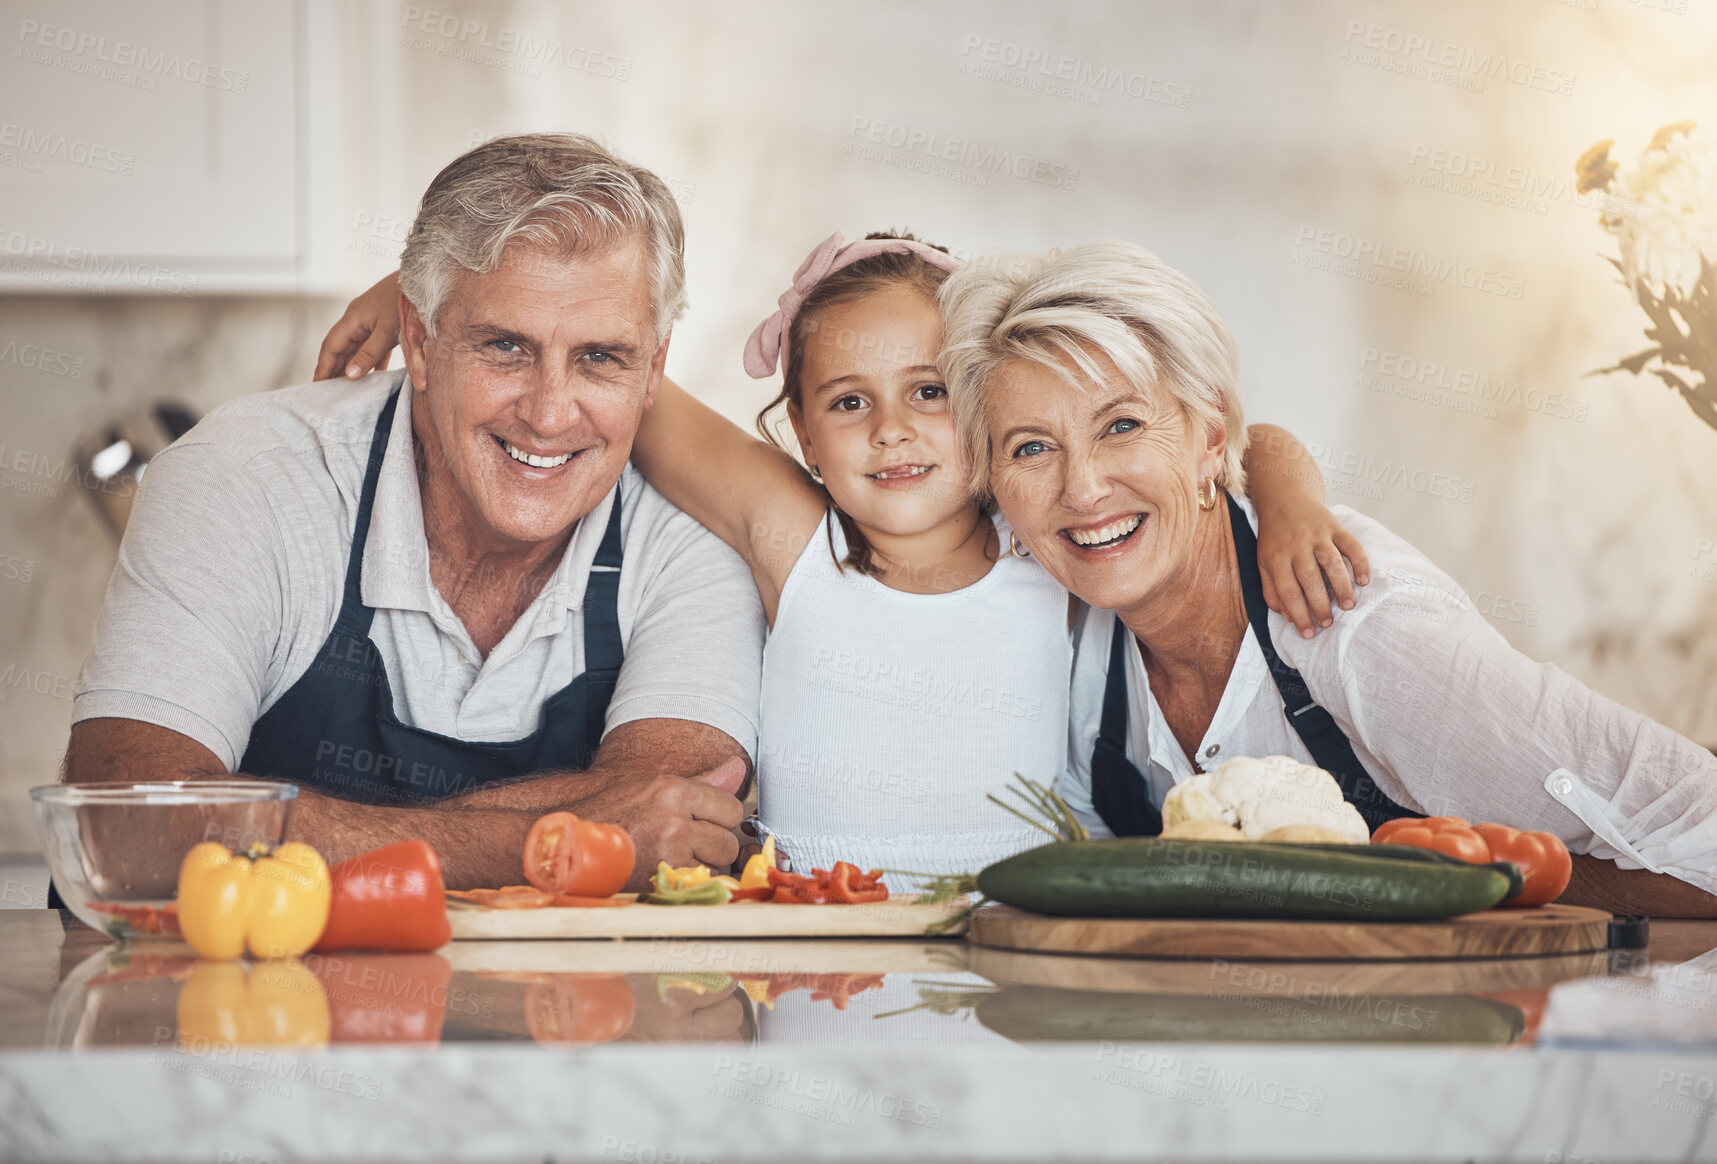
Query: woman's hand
x=1300 y=545
x=362 y=339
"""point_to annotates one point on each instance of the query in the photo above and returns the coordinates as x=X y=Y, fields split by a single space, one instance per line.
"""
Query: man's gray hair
x=1057 y=308
x=562 y=192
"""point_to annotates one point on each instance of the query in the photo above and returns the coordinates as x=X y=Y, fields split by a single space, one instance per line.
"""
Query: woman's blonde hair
x=1058 y=309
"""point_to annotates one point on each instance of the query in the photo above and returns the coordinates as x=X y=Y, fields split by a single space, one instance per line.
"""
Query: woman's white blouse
x=1446 y=716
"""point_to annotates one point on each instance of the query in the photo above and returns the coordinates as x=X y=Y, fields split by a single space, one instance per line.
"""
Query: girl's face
x=872 y=414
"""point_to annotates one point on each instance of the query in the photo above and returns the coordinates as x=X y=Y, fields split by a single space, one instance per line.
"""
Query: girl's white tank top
x=886 y=717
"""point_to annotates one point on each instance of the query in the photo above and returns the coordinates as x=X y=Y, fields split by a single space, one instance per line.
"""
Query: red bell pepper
x=389 y=899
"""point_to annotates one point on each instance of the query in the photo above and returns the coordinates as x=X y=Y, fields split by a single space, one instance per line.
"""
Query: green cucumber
x=1153 y=877
x=1516 y=880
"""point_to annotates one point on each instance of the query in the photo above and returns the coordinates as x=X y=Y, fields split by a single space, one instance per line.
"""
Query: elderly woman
x=1096 y=396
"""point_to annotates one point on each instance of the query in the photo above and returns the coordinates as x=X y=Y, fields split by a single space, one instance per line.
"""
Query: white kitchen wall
x=1258 y=146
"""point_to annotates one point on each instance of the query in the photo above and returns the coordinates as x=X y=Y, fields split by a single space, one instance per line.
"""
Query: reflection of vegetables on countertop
x=273 y=1004
x=1260 y=796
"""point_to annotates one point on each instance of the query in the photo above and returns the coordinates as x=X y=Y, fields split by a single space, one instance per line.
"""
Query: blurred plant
x=1668 y=246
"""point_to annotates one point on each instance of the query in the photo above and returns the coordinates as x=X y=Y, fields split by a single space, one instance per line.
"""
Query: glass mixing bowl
x=114 y=849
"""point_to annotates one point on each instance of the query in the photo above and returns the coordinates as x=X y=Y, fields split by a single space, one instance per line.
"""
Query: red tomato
x=1542 y=857
x=566 y=854
x=1445 y=834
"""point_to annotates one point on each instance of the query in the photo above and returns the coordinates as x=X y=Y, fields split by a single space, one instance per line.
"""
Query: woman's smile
x=1104 y=537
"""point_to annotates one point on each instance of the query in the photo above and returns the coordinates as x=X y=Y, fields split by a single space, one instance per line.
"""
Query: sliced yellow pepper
x=274 y=906
x=276 y=1004
x=756 y=874
x=667 y=877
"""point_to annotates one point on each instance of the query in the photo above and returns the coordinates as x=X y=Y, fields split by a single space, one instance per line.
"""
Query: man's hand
x=680 y=820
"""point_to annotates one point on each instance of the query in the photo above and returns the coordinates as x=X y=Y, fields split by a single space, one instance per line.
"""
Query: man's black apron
x=1119 y=791
x=335 y=729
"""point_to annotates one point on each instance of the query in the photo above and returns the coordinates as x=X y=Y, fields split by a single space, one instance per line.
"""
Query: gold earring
x=1015 y=548
x=1208 y=501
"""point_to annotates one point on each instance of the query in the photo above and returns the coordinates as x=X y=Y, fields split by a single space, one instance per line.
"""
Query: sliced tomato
x=567 y=854
x=508 y=897
x=575 y=901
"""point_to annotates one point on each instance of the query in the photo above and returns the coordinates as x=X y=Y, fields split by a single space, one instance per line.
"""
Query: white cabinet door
x=160 y=147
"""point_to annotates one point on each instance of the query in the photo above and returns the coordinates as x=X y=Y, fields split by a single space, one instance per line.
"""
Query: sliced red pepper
x=143 y=919
x=759 y=893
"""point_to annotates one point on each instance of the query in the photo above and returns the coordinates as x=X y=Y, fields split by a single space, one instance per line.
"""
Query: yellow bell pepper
x=274 y=905
x=276 y=1004
x=756 y=874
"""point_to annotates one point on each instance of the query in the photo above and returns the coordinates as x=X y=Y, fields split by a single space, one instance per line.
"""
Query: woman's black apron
x=1119 y=791
x=335 y=729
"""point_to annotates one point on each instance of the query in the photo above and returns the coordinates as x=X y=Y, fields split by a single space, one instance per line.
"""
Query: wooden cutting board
x=1496 y=933
x=746 y=919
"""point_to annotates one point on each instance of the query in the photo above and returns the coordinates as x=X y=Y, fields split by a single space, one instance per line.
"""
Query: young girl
x=916 y=659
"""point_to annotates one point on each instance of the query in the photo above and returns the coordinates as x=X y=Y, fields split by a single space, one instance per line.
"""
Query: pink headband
x=768 y=344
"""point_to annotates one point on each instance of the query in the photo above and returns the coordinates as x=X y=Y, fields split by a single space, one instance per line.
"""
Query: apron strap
x=603 y=649
x=1119 y=791
x=354 y=616
x=1314 y=725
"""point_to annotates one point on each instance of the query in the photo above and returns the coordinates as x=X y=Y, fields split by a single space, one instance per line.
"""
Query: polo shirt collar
x=396 y=553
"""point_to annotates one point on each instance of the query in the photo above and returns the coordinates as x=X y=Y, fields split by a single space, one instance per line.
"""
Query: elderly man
x=442 y=604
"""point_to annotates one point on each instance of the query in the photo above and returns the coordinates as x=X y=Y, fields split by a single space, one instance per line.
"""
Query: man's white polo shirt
x=229 y=580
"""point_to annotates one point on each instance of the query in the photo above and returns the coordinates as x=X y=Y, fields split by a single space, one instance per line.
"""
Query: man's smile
x=536 y=460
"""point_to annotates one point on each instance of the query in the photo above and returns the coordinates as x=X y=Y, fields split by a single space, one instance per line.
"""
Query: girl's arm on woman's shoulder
x=750 y=494
x=1301 y=544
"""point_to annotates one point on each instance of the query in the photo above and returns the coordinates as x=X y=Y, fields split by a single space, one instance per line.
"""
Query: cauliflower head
x=1195 y=799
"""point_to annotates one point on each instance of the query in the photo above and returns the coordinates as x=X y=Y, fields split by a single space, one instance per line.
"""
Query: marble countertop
x=664 y=1051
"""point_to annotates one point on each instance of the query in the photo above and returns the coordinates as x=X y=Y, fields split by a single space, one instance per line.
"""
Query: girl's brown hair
x=865 y=277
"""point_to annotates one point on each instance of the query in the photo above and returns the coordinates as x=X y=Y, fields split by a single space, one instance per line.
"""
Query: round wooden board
x=1496 y=933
